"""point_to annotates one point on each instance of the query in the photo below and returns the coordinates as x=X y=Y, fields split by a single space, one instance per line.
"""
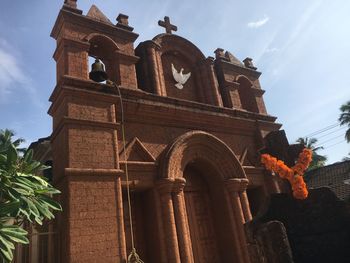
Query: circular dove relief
x=180 y=77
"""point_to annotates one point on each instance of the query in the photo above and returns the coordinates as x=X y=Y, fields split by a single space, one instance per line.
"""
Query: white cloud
x=259 y=23
x=10 y=72
x=12 y=75
x=271 y=50
x=294 y=45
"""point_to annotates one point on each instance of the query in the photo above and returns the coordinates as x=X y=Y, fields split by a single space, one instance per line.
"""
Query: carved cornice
x=141 y=106
x=73 y=121
x=237 y=68
x=92 y=172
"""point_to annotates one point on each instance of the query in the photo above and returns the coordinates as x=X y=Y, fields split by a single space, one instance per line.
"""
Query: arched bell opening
x=207 y=213
x=104 y=49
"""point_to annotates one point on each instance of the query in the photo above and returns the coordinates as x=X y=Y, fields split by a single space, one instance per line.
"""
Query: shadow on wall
x=318 y=229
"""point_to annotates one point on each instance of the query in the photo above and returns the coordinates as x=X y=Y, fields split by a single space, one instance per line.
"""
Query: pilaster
x=235 y=187
x=165 y=188
x=183 y=231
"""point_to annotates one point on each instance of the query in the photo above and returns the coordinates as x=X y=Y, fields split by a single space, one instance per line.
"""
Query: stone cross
x=167 y=25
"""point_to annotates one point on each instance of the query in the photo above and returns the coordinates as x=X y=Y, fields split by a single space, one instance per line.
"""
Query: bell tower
x=79 y=36
x=85 y=133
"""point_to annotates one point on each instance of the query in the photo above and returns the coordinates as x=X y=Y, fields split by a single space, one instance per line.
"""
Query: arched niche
x=247 y=94
x=173 y=49
x=105 y=48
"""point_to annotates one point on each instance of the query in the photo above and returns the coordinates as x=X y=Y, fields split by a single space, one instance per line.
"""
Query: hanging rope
x=133 y=256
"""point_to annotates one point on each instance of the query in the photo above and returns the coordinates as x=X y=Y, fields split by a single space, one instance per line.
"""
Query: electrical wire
x=322 y=130
x=331 y=139
x=325 y=135
x=327 y=147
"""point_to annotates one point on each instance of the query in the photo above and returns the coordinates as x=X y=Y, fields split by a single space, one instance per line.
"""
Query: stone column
x=209 y=80
x=183 y=232
x=155 y=67
x=161 y=242
x=245 y=202
x=235 y=186
x=237 y=244
x=165 y=187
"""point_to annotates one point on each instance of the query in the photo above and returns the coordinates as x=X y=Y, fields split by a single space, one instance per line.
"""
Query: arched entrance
x=200 y=191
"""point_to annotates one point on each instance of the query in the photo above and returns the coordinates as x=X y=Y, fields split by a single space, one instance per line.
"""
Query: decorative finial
x=248 y=62
x=219 y=53
x=167 y=25
x=123 y=19
x=71 y=3
x=71 y=6
x=123 y=22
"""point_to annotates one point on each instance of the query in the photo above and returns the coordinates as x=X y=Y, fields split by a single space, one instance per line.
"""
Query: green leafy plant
x=24 y=195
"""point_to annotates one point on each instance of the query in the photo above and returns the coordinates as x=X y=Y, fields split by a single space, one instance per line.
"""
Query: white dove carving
x=179 y=77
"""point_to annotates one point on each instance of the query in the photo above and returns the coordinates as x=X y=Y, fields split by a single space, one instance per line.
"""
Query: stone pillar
x=161 y=242
x=235 y=235
x=245 y=202
x=183 y=232
x=165 y=187
x=152 y=58
x=209 y=81
x=235 y=186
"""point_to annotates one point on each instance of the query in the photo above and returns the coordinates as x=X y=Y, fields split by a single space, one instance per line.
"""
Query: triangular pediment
x=136 y=152
x=97 y=15
x=246 y=158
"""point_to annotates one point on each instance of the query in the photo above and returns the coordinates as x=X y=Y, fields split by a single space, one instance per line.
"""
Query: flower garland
x=294 y=174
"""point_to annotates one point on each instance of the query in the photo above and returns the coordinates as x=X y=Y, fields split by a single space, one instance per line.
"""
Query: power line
x=322 y=130
x=334 y=144
x=331 y=139
x=342 y=128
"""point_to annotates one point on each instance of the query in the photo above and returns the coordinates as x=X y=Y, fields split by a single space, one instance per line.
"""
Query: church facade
x=193 y=128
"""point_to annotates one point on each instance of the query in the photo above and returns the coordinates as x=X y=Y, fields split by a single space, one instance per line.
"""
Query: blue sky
x=301 y=47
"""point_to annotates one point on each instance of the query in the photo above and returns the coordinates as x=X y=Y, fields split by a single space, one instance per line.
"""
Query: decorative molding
x=135 y=148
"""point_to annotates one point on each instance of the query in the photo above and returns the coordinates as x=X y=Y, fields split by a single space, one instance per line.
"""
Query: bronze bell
x=98 y=72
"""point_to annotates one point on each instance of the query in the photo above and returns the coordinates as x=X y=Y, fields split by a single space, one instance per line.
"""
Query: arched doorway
x=202 y=210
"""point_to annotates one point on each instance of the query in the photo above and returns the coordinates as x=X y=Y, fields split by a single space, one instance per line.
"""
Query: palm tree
x=317 y=160
x=344 y=118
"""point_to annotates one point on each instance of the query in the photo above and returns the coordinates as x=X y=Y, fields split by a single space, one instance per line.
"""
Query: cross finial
x=167 y=25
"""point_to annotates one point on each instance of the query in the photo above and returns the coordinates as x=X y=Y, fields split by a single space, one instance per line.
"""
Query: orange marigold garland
x=294 y=174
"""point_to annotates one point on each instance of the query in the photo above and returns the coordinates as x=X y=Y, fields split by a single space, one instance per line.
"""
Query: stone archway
x=216 y=176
